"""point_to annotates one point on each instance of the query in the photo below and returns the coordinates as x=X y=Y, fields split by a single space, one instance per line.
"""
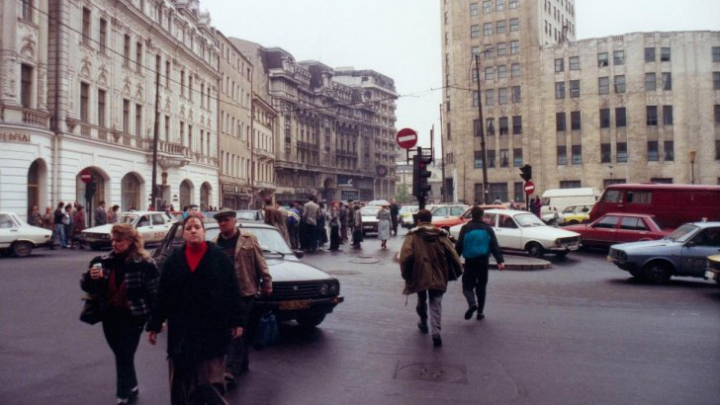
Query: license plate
x=294 y=305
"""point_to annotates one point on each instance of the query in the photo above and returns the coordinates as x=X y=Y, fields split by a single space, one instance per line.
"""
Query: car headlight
x=334 y=288
x=106 y=236
x=324 y=288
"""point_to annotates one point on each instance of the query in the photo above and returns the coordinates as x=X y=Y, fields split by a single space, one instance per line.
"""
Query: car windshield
x=683 y=233
x=247 y=215
x=127 y=218
x=528 y=220
x=409 y=209
x=269 y=238
x=370 y=211
x=569 y=210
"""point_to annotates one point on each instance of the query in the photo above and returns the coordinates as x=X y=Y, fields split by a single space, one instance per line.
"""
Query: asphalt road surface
x=580 y=332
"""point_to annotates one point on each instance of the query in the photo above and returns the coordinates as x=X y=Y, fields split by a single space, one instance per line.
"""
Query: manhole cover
x=343 y=273
x=434 y=372
x=360 y=260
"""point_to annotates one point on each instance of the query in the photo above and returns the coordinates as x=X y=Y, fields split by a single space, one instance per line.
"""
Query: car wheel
x=22 y=249
x=562 y=254
x=572 y=222
x=534 y=249
x=657 y=272
x=310 y=320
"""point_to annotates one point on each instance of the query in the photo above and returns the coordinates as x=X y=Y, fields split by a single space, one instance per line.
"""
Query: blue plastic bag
x=267 y=331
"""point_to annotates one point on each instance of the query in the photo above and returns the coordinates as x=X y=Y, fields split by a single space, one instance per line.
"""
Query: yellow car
x=406 y=215
x=713 y=270
x=575 y=214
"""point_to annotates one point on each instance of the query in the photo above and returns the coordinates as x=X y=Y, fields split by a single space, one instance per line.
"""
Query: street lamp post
x=481 y=126
x=692 y=166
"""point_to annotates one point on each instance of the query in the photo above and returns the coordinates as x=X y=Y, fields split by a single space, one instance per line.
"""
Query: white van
x=561 y=198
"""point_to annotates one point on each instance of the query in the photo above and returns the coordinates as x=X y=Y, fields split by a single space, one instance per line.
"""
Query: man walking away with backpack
x=475 y=243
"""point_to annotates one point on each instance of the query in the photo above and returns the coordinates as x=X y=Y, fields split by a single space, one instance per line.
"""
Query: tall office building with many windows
x=638 y=107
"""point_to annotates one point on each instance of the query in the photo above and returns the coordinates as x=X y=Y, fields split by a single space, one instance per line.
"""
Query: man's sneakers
x=423 y=327
x=437 y=341
x=469 y=313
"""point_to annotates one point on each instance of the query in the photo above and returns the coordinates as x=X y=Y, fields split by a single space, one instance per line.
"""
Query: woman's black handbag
x=93 y=309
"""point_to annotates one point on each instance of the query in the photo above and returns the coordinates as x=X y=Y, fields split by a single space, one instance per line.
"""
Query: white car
x=152 y=225
x=369 y=219
x=19 y=238
x=523 y=231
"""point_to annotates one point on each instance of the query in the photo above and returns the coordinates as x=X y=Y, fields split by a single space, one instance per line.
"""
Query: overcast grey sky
x=401 y=38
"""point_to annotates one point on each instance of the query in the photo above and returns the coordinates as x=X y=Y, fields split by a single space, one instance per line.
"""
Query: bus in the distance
x=672 y=204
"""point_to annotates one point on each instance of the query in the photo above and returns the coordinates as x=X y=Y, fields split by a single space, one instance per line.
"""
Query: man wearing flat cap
x=243 y=247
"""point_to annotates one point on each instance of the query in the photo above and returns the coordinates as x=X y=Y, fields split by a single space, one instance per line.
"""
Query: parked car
x=682 y=253
x=523 y=231
x=575 y=214
x=446 y=211
x=713 y=269
x=447 y=223
x=369 y=219
x=619 y=227
x=406 y=215
x=300 y=291
x=377 y=203
x=243 y=215
x=18 y=238
x=152 y=225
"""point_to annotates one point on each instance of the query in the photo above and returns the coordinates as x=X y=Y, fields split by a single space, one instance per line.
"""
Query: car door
x=696 y=251
x=631 y=229
x=602 y=232
x=160 y=226
x=441 y=212
x=145 y=228
x=508 y=233
x=8 y=231
x=456 y=211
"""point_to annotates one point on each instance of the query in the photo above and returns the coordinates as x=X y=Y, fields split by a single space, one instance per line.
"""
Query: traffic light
x=526 y=172
x=421 y=174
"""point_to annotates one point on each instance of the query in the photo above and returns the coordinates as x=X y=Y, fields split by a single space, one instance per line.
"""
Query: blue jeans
x=60 y=235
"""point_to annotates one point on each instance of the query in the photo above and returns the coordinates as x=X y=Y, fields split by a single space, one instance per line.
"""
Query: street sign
x=529 y=187
x=86 y=176
x=406 y=138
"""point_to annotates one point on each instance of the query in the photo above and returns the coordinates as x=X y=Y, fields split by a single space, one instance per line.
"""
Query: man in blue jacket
x=476 y=242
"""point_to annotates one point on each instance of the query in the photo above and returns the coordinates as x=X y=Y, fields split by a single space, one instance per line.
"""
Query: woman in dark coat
x=199 y=296
x=126 y=280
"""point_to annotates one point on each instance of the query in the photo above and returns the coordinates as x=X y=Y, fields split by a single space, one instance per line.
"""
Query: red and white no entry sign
x=86 y=176
x=406 y=138
x=529 y=187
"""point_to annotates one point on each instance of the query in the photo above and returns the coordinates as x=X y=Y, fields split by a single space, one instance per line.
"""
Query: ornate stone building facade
x=335 y=128
x=627 y=108
x=94 y=70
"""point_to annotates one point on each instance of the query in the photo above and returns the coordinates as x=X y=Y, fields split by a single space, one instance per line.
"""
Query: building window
x=575 y=121
x=489 y=73
x=489 y=98
x=478 y=159
x=490 y=157
x=667 y=115
x=84 y=102
x=574 y=88
x=514 y=47
x=664 y=54
x=488 y=51
x=514 y=24
x=604 y=118
x=649 y=55
x=487 y=7
x=475 y=50
x=501 y=27
x=603 y=59
x=500 y=5
x=618 y=58
x=716 y=53
x=476 y=128
x=504 y=159
x=560 y=123
x=516 y=94
x=502 y=72
x=503 y=124
x=515 y=70
x=669 y=147
x=574 y=63
x=86 y=21
x=26 y=84
x=103 y=36
x=502 y=49
x=138 y=57
x=449 y=137
x=502 y=95
x=620 y=84
x=513 y=4
x=126 y=51
x=604 y=85
x=667 y=81
x=101 y=108
x=716 y=80
x=570 y=184
x=487 y=29
x=562 y=155
x=167 y=128
x=559 y=65
x=577 y=154
x=622 y=152
x=559 y=90
x=605 y=153
x=182 y=83
x=27 y=9
x=517 y=124
x=517 y=157
x=475 y=31
x=620 y=118
x=651 y=115
x=717 y=114
x=650 y=82
x=474 y=10
x=652 y=151
x=490 y=126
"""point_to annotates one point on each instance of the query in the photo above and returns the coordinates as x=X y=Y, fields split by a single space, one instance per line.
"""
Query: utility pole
x=481 y=126
x=442 y=157
x=156 y=135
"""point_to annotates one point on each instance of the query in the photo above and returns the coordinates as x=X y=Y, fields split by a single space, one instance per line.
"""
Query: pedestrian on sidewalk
x=310 y=216
x=68 y=222
x=334 y=226
x=357 y=236
x=427 y=261
x=47 y=219
x=343 y=222
x=199 y=297
x=35 y=218
x=383 y=217
x=59 y=231
x=275 y=218
x=475 y=243
x=78 y=226
x=127 y=281
x=394 y=213
x=100 y=216
x=293 y=223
